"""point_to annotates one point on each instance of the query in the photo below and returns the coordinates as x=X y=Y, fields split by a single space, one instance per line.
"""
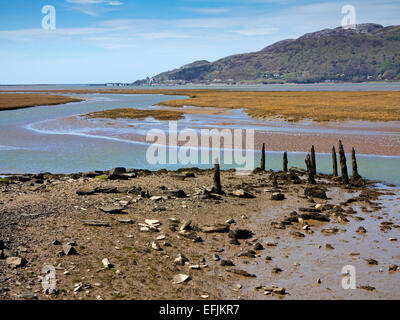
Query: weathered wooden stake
x=275 y=181
x=263 y=157
x=217 y=178
x=313 y=161
x=334 y=162
x=311 y=178
x=285 y=162
x=354 y=164
x=343 y=163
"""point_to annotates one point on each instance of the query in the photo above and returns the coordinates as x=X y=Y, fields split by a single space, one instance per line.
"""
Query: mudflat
x=166 y=235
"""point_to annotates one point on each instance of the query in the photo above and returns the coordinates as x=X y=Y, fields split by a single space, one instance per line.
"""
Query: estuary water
x=58 y=139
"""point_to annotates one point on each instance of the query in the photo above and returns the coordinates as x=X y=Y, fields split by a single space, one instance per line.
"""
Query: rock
x=234 y=242
x=112 y=210
x=249 y=254
x=393 y=267
x=155 y=246
x=276 y=270
x=277 y=196
x=16 y=262
x=107 y=264
x=297 y=234
x=186 y=225
x=227 y=263
x=361 y=230
x=29 y=295
x=219 y=228
x=371 y=261
x=280 y=291
x=216 y=257
x=230 y=221
x=329 y=246
x=69 y=250
x=194 y=267
x=95 y=223
x=258 y=247
x=268 y=258
x=57 y=243
x=241 y=273
x=315 y=192
x=176 y=193
x=240 y=234
x=271 y=244
x=319 y=281
x=368 y=288
x=180 y=260
x=85 y=192
x=180 y=278
x=329 y=231
x=314 y=216
x=243 y=194
x=156 y=198
x=117 y=171
x=125 y=221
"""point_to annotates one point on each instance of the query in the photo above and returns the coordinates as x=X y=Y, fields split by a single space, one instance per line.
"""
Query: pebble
x=107 y=264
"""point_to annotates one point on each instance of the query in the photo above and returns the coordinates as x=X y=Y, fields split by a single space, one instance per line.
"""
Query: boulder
x=117 y=171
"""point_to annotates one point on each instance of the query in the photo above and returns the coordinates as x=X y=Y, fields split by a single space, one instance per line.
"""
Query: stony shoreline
x=137 y=234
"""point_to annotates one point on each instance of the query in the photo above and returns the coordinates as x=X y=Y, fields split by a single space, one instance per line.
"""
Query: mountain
x=368 y=52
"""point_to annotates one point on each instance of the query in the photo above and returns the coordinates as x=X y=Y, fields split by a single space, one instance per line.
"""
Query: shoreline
x=43 y=217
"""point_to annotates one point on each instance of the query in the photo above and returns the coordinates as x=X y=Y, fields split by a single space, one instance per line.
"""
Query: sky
x=101 y=41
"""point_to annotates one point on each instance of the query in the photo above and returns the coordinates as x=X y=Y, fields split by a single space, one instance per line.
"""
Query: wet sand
x=37 y=212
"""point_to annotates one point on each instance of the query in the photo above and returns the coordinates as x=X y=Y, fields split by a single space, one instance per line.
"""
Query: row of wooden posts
x=311 y=164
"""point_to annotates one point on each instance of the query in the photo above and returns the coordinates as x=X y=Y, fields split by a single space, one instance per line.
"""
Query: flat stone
x=85 y=192
x=219 y=228
x=125 y=221
x=69 y=250
x=241 y=273
x=243 y=194
x=180 y=278
x=95 y=223
x=16 y=262
x=112 y=210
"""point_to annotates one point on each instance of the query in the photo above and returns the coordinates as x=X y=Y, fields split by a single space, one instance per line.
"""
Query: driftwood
x=343 y=163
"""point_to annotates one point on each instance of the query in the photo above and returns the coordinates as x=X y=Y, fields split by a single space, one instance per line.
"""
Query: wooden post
x=354 y=164
x=343 y=163
x=313 y=161
x=285 y=162
x=311 y=178
x=263 y=158
x=334 y=162
x=217 y=178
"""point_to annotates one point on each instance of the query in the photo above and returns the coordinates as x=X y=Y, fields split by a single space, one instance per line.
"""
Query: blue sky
x=98 y=41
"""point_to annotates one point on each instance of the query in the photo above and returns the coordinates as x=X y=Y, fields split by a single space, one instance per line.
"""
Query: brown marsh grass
x=130 y=113
x=19 y=101
x=294 y=105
